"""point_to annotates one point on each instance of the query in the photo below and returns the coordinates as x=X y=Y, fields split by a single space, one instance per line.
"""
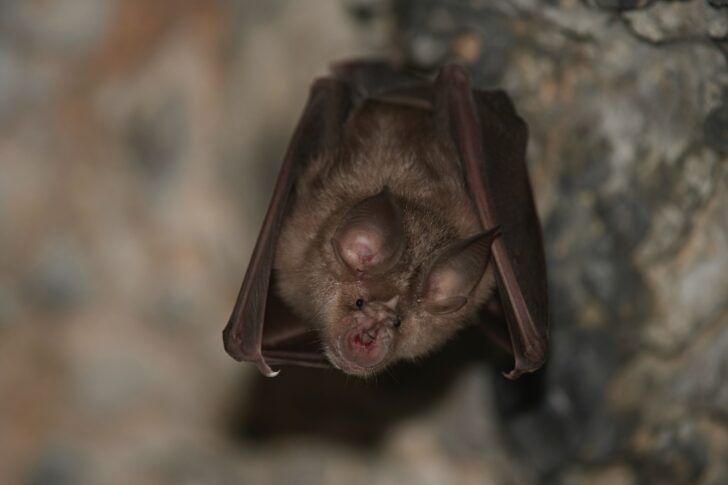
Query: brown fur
x=383 y=145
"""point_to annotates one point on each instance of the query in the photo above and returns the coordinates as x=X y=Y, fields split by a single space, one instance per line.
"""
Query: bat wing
x=491 y=139
x=261 y=329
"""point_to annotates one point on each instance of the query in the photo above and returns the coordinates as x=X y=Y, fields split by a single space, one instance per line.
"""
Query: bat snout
x=364 y=348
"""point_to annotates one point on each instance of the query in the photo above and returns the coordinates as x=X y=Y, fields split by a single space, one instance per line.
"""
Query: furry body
x=383 y=146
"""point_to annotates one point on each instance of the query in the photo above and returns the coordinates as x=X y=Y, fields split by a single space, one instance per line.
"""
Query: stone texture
x=715 y=127
x=626 y=152
x=623 y=4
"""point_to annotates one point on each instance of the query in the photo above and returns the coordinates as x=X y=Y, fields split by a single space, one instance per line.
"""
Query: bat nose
x=377 y=313
x=368 y=336
x=363 y=348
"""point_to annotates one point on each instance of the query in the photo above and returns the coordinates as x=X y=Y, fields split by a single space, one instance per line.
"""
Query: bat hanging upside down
x=402 y=208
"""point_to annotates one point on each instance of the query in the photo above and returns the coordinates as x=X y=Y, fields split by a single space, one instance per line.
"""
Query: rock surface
x=138 y=144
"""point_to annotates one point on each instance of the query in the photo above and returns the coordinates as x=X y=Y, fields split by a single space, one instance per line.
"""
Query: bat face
x=387 y=276
x=377 y=320
x=353 y=284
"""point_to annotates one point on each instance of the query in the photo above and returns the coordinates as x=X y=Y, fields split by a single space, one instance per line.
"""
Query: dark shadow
x=329 y=405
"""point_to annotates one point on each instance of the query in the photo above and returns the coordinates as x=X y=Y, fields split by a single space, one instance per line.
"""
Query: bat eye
x=397 y=323
x=359 y=303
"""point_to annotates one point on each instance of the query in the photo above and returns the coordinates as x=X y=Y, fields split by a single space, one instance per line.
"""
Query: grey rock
x=156 y=138
x=719 y=478
x=10 y=81
x=628 y=215
x=10 y=306
x=692 y=288
x=677 y=191
x=363 y=10
x=699 y=384
x=469 y=413
x=605 y=279
x=60 y=278
x=718 y=27
x=57 y=465
x=174 y=308
x=430 y=31
x=573 y=422
x=426 y=49
x=497 y=38
x=623 y=4
x=675 y=454
x=675 y=22
x=715 y=128
x=184 y=464
x=107 y=384
x=67 y=26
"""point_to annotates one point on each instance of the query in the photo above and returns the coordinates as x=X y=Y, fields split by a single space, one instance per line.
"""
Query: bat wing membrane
x=260 y=329
x=491 y=140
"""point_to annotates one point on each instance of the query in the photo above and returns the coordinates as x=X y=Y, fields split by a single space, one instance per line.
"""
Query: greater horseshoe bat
x=402 y=213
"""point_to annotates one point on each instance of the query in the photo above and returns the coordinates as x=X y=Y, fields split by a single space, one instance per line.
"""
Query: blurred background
x=138 y=146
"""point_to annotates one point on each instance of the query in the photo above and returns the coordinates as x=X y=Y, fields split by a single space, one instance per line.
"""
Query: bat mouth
x=363 y=351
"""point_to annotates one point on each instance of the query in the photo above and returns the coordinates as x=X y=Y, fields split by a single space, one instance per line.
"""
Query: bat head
x=382 y=280
x=404 y=315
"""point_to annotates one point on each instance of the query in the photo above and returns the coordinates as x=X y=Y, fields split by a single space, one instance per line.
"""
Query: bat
x=402 y=213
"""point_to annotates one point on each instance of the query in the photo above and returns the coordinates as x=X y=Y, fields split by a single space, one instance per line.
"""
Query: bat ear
x=456 y=272
x=371 y=238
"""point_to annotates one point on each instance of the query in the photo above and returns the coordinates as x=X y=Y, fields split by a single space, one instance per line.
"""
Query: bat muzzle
x=364 y=350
